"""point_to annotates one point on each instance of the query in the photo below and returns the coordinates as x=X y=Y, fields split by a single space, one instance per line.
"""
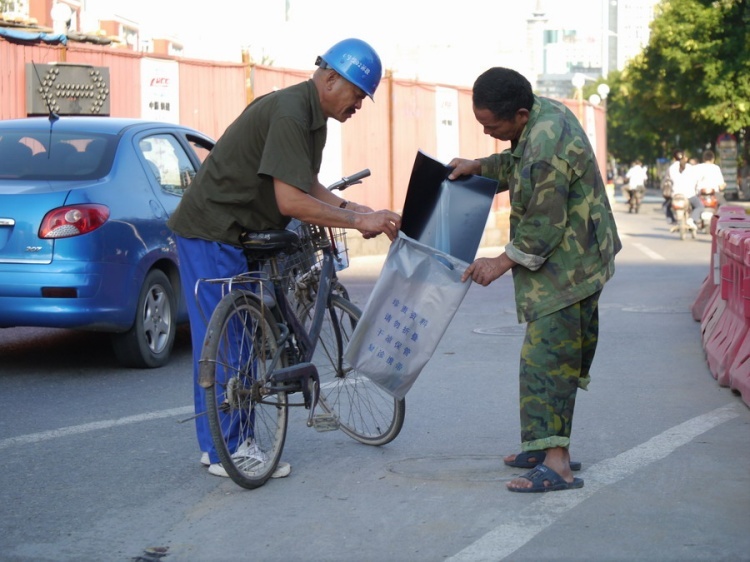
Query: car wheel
x=148 y=344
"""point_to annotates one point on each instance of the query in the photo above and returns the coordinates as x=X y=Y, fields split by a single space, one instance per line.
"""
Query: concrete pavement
x=96 y=467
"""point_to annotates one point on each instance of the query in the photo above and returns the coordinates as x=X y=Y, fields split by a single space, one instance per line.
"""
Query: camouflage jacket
x=562 y=232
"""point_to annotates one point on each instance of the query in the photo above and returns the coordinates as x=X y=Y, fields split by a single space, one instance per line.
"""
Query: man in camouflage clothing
x=563 y=241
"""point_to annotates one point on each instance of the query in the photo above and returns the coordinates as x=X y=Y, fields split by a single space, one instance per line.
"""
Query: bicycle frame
x=296 y=377
x=307 y=340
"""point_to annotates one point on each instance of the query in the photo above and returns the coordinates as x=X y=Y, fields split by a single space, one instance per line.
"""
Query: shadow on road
x=29 y=350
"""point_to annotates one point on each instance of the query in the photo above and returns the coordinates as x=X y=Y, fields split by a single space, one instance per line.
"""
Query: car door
x=172 y=160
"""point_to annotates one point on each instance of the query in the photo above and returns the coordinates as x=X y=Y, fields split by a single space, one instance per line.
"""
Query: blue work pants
x=202 y=259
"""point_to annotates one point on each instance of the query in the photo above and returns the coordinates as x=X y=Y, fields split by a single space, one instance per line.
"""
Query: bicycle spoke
x=365 y=411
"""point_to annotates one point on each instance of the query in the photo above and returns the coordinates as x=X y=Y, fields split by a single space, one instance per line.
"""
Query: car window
x=168 y=162
x=55 y=156
x=200 y=147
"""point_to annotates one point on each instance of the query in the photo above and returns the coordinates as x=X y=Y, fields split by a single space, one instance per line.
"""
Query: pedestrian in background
x=563 y=242
x=743 y=177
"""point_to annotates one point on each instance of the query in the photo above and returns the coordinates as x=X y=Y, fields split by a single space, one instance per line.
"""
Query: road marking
x=643 y=248
x=93 y=426
x=504 y=540
x=648 y=251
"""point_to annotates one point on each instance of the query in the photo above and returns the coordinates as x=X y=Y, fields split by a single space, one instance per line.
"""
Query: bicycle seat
x=270 y=241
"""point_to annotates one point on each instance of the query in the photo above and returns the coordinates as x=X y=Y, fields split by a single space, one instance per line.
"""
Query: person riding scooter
x=709 y=182
x=683 y=192
x=679 y=161
x=636 y=178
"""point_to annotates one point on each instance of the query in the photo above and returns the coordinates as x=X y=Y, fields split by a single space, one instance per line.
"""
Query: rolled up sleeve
x=541 y=220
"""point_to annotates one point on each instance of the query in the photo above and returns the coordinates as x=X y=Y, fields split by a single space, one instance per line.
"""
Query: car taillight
x=73 y=221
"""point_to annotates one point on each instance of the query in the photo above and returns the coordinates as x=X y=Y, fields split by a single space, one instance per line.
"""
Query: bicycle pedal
x=325 y=422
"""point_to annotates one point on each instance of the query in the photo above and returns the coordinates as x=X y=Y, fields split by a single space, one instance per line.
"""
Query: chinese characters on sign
x=398 y=331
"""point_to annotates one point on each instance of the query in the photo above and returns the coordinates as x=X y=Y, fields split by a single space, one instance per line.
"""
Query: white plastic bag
x=411 y=305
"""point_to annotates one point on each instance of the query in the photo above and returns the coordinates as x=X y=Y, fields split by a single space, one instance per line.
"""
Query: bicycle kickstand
x=304 y=377
x=324 y=421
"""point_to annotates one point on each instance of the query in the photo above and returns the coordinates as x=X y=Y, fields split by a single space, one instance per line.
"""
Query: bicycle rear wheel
x=366 y=412
x=248 y=421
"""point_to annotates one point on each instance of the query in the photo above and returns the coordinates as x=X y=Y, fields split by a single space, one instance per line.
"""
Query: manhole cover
x=466 y=468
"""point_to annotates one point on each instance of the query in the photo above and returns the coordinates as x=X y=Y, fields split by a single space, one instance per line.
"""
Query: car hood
x=21 y=213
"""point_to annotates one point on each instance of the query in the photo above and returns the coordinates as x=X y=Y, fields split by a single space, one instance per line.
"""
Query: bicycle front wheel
x=247 y=417
x=365 y=411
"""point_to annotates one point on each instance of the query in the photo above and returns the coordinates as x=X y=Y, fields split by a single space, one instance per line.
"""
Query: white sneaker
x=283 y=469
x=691 y=223
x=205 y=461
x=254 y=458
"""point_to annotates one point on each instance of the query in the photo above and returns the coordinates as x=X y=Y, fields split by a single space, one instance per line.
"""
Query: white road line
x=504 y=540
x=642 y=247
x=648 y=251
x=93 y=426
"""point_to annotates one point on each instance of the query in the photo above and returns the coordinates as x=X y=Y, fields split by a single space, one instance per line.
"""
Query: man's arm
x=494 y=167
x=541 y=224
x=321 y=193
x=485 y=270
x=324 y=209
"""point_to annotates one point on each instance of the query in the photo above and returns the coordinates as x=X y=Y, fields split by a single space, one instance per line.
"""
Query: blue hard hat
x=356 y=61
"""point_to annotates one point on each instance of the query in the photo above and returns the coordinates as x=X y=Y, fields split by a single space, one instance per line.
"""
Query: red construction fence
x=723 y=303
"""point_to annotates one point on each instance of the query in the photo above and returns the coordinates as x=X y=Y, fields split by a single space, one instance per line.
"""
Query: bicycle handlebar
x=348 y=181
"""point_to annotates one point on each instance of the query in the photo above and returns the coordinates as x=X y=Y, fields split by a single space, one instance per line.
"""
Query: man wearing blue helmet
x=263 y=172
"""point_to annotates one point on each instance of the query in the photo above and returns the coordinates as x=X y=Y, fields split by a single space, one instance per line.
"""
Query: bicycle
x=259 y=350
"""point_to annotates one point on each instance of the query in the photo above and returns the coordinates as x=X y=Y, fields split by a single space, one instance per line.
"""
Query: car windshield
x=40 y=155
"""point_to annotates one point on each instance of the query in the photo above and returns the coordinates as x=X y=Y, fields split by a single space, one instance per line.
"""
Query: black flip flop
x=544 y=479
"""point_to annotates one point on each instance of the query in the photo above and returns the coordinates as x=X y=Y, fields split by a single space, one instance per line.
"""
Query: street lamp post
x=603 y=91
x=601 y=98
x=578 y=81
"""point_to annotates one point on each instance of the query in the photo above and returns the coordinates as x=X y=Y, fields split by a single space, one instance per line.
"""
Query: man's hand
x=323 y=208
x=357 y=208
x=464 y=167
x=376 y=222
x=485 y=270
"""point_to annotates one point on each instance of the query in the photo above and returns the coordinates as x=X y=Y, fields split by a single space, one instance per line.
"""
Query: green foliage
x=691 y=82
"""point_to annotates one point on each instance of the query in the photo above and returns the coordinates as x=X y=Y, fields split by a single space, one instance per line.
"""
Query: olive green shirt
x=562 y=232
x=279 y=135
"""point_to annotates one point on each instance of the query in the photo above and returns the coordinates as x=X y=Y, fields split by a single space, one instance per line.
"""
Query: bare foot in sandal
x=559 y=477
x=542 y=479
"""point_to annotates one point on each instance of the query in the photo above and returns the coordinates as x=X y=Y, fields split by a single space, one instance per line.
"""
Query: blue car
x=84 y=242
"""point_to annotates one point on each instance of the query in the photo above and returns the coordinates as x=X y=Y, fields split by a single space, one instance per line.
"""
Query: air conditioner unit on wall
x=67 y=89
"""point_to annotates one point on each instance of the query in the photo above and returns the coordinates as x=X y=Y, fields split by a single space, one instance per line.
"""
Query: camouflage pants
x=555 y=360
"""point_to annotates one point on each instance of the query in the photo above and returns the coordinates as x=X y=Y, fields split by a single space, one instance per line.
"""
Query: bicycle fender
x=205 y=368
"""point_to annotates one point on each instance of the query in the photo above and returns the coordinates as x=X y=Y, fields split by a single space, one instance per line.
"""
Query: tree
x=690 y=83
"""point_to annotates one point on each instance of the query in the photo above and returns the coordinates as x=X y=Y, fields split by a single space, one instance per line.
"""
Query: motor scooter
x=681 y=212
x=635 y=199
x=711 y=203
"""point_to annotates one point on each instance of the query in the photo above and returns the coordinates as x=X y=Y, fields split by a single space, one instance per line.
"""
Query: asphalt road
x=97 y=466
